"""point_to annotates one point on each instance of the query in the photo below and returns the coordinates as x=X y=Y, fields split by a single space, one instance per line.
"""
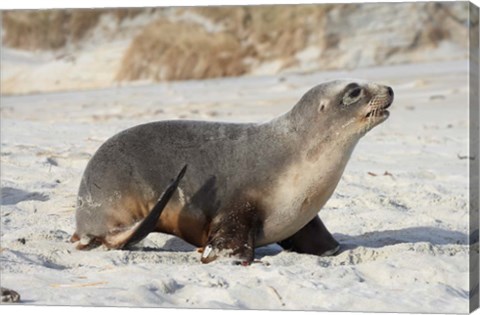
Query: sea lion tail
x=149 y=223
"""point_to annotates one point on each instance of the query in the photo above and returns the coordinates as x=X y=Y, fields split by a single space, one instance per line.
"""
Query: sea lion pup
x=247 y=185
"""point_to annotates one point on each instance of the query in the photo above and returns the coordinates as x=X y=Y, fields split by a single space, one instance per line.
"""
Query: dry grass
x=52 y=29
x=128 y=13
x=35 y=29
x=179 y=51
x=81 y=21
x=271 y=32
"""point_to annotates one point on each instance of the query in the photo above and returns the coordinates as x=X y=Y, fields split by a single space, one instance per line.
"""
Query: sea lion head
x=345 y=108
x=365 y=104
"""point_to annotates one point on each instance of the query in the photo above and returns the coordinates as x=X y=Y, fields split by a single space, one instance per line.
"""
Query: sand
x=400 y=210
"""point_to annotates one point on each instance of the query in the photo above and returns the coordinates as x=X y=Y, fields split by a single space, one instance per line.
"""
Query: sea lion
x=247 y=184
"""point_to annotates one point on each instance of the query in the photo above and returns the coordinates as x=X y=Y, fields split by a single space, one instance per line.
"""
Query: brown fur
x=172 y=221
x=177 y=222
x=127 y=211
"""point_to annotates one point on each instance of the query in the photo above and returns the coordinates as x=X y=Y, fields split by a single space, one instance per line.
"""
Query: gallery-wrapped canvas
x=273 y=157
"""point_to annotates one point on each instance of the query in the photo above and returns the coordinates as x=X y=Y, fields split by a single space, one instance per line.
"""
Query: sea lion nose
x=390 y=91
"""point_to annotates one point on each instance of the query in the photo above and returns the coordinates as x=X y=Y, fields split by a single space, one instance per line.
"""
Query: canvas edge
x=474 y=154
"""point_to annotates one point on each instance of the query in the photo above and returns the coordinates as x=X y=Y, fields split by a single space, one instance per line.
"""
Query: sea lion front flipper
x=313 y=238
x=233 y=235
x=148 y=224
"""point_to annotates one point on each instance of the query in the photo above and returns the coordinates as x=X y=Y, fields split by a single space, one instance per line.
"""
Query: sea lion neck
x=305 y=132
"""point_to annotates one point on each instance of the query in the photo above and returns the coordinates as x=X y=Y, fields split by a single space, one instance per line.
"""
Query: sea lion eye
x=352 y=95
x=355 y=93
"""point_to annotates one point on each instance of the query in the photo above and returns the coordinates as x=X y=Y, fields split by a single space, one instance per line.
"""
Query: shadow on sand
x=378 y=239
x=421 y=234
x=12 y=196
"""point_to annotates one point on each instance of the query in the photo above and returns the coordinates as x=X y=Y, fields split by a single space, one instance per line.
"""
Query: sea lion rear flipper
x=149 y=223
x=313 y=238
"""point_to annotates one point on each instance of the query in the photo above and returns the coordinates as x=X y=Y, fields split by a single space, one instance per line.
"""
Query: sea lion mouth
x=379 y=111
x=376 y=111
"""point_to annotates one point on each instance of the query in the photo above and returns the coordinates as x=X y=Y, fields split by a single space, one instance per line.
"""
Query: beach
x=400 y=211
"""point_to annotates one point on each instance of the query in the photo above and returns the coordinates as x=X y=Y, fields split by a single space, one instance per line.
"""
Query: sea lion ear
x=322 y=106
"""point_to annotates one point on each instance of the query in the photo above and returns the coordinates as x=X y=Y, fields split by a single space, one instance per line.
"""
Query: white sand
x=404 y=234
